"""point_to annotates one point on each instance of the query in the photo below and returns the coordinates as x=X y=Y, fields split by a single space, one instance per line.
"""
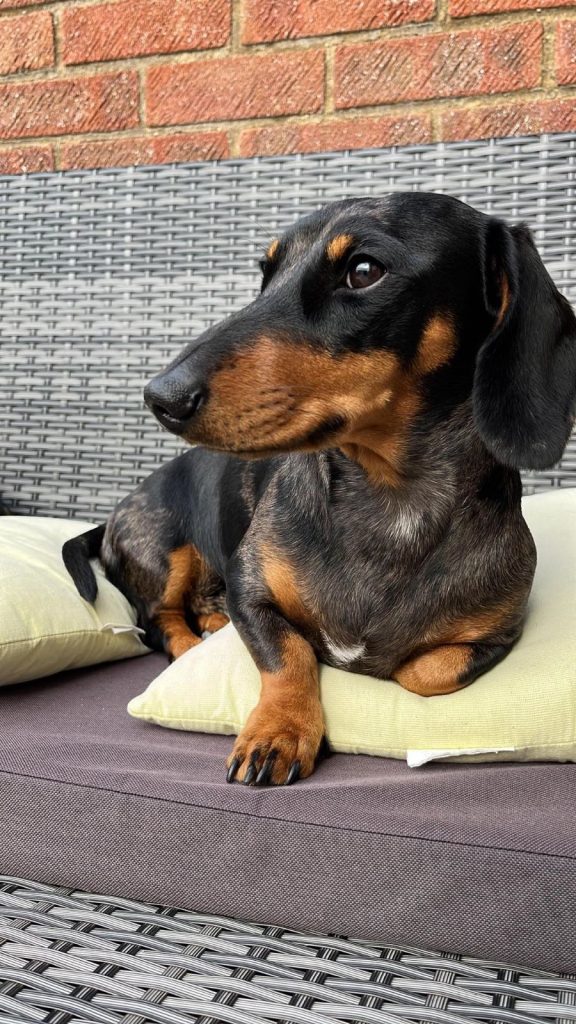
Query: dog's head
x=371 y=311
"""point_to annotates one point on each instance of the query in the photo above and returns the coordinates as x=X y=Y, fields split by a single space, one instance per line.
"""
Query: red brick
x=26 y=43
x=64 y=106
x=566 y=52
x=5 y=5
x=185 y=148
x=462 y=8
x=113 y=153
x=26 y=159
x=133 y=28
x=442 y=64
x=142 y=149
x=357 y=133
x=511 y=119
x=291 y=19
x=232 y=88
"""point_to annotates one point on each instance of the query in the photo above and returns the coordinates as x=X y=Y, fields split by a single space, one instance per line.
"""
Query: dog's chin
x=243 y=448
x=324 y=435
x=247 y=451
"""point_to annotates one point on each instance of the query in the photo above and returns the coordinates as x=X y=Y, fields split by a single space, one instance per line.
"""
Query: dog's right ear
x=525 y=380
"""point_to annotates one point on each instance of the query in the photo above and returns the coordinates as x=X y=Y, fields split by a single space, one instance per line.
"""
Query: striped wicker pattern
x=67 y=957
x=105 y=274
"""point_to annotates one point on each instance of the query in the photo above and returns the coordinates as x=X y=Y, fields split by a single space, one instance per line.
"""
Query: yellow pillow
x=523 y=709
x=45 y=626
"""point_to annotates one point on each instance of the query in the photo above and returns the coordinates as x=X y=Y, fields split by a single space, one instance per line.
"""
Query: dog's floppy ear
x=525 y=380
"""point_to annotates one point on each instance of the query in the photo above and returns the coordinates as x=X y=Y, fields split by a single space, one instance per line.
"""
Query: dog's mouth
x=170 y=423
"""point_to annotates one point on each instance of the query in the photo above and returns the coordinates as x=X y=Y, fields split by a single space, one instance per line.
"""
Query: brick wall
x=86 y=84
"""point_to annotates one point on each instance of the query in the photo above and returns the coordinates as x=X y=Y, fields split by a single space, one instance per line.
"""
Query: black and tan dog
x=358 y=495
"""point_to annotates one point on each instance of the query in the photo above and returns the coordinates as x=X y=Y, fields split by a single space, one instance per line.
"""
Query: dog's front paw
x=277 y=746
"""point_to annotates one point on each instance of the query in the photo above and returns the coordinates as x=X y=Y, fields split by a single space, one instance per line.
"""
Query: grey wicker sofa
x=104 y=275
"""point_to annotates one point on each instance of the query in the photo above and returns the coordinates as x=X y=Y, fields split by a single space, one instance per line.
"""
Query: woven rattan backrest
x=105 y=274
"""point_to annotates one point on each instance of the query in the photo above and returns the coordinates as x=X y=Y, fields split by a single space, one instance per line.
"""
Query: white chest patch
x=406 y=525
x=341 y=654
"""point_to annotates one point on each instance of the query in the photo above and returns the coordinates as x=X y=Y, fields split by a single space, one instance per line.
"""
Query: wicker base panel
x=68 y=956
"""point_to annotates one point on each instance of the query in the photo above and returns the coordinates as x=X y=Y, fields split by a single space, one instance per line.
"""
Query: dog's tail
x=76 y=555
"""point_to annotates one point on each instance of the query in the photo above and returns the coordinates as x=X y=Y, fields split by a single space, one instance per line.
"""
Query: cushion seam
x=95 y=631
x=304 y=824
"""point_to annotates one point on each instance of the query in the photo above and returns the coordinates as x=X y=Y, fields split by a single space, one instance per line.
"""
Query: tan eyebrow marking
x=337 y=246
x=272 y=249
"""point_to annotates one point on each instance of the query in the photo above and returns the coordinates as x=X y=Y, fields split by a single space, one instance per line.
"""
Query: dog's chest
x=348 y=567
x=362 y=597
x=354 y=609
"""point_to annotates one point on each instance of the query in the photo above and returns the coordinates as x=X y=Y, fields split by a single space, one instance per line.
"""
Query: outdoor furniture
x=104 y=276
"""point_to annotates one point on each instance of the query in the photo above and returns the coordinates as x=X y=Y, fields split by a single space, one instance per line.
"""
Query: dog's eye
x=363 y=272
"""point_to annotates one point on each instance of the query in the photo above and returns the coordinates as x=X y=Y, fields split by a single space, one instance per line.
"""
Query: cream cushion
x=45 y=626
x=523 y=709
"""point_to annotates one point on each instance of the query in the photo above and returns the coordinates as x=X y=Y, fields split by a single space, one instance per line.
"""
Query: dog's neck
x=405 y=443
x=380 y=440
x=425 y=476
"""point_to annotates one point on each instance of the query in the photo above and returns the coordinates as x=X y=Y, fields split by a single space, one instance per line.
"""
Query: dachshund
x=355 y=495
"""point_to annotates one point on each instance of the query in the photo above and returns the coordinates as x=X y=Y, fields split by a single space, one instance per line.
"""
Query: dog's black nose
x=173 y=402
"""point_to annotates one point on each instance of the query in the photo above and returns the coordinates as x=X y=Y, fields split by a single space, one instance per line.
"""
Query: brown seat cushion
x=476 y=859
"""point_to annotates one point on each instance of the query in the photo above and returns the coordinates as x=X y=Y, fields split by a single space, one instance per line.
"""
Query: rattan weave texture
x=67 y=957
x=105 y=274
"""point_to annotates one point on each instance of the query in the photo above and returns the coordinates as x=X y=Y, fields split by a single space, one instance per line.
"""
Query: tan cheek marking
x=436 y=672
x=337 y=246
x=437 y=345
x=273 y=249
x=274 y=392
x=274 y=373
x=378 y=441
x=381 y=471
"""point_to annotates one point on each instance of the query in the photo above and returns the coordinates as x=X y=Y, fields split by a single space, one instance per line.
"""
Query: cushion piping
x=282 y=821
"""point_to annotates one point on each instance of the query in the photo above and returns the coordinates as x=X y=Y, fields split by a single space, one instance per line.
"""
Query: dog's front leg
x=283 y=735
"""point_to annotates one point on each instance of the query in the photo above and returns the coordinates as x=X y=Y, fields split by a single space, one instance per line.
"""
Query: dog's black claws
x=265 y=772
x=294 y=773
x=231 y=775
x=252 y=768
